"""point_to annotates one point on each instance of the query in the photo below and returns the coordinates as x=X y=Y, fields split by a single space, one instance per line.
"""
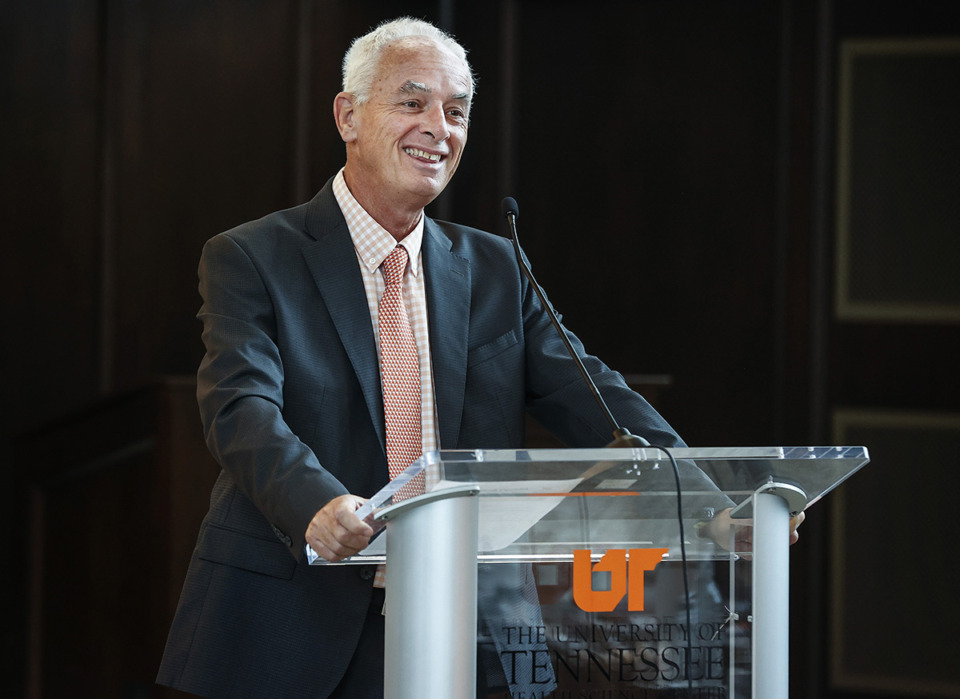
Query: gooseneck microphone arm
x=621 y=436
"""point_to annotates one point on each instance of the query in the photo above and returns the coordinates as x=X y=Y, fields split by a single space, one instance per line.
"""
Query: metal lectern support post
x=773 y=505
x=431 y=609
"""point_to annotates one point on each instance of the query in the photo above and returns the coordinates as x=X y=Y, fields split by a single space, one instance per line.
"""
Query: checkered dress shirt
x=373 y=243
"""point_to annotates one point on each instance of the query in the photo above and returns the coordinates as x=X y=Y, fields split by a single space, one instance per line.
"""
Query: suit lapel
x=332 y=261
x=448 y=309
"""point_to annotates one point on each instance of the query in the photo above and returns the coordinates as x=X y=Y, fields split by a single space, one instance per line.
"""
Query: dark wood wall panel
x=115 y=498
x=204 y=116
x=49 y=199
x=648 y=171
x=891 y=380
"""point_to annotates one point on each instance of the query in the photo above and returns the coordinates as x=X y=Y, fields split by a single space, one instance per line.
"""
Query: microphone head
x=508 y=207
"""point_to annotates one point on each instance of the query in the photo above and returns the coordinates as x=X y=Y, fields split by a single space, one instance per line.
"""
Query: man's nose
x=435 y=123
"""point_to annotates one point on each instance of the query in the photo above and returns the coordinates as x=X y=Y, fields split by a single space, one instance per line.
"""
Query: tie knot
x=394 y=265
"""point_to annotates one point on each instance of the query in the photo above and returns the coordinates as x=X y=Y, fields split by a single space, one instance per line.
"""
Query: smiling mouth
x=417 y=153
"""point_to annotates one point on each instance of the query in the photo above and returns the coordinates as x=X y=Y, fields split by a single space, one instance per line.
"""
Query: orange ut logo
x=614 y=562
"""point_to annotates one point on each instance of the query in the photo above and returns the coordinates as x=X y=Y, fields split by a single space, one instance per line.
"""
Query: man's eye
x=411 y=104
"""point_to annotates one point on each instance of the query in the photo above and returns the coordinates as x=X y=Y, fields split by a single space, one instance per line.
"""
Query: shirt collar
x=371 y=240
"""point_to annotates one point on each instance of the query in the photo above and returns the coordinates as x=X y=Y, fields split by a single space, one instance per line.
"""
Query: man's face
x=404 y=143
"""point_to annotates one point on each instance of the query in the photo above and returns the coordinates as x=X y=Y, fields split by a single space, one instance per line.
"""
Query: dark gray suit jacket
x=290 y=398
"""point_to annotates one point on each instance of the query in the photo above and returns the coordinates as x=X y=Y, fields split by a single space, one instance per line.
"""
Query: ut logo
x=614 y=562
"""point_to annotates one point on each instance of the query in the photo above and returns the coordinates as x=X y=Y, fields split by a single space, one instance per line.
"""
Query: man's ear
x=344 y=113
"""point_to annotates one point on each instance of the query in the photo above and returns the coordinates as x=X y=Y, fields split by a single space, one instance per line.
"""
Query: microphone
x=621 y=436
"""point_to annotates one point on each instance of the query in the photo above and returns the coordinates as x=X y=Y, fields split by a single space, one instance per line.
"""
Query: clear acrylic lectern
x=584 y=573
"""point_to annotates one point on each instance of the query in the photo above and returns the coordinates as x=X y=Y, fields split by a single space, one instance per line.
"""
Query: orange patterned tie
x=400 y=372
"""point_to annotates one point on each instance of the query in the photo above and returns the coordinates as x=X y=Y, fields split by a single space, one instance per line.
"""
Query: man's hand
x=336 y=532
x=719 y=527
x=794 y=523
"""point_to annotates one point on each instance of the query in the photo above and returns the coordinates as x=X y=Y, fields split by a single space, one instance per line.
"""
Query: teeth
x=422 y=154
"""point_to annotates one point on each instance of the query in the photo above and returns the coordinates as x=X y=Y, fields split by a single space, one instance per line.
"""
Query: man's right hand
x=336 y=532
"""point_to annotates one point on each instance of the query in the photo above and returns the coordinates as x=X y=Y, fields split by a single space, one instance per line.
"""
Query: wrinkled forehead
x=417 y=59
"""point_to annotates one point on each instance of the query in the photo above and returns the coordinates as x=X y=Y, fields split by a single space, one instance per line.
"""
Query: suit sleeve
x=240 y=393
x=560 y=400
x=558 y=397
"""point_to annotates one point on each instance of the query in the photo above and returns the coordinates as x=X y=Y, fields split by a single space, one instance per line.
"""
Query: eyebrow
x=412 y=86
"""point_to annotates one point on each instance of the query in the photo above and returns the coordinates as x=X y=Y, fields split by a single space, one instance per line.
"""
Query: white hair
x=362 y=58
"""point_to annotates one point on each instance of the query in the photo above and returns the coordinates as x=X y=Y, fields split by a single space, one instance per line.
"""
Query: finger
x=795 y=522
x=346 y=539
x=349 y=523
x=333 y=551
x=322 y=552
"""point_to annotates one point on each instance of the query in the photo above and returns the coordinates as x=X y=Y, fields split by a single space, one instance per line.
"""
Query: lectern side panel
x=639 y=646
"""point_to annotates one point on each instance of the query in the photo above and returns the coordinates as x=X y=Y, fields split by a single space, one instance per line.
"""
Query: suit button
x=366 y=573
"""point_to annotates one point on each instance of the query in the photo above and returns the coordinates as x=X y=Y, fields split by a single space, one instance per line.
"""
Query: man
x=292 y=393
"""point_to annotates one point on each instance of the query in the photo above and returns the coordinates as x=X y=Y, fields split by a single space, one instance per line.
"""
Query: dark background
x=674 y=162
